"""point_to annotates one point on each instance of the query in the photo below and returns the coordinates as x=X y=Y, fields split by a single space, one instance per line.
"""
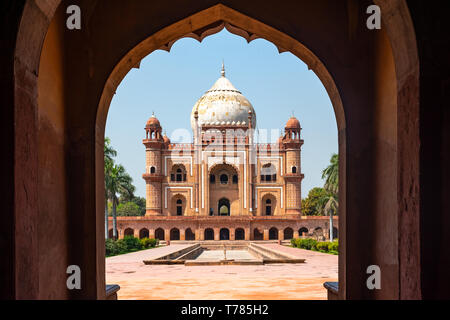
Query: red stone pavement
x=178 y=282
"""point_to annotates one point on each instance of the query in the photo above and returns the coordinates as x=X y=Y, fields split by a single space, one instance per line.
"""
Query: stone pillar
x=266 y=234
x=198 y=233
x=166 y=234
x=296 y=234
x=182 y=234
x=119 y=233
x=136 y=233
x=280 y=234
x=151 y=233
x=216 y=234
x=247 y=234
x=232 y=234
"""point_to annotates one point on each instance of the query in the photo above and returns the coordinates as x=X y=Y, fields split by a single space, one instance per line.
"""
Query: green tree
x=329 y=204
x=141 y=203
x=128 y=209
x=331 y=175
x=109 y=153
x=311 y=205
x=118 y=181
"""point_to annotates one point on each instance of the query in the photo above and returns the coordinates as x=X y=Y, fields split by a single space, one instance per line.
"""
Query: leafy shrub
x=132 y=243
x=128 y=244
x=333 y=246
x=148 y=243
x=322 y=246
x=294 y=242
x=110 y=247
x=312 y=244
x=115 y=247
x=308 y=244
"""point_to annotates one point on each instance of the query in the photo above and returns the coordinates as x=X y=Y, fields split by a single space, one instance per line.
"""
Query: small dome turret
x=153 y=122
x=293 y=123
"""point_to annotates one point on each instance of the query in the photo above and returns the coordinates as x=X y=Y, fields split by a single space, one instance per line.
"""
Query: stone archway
x=303 y=231
x=273 y=233
x=144 y=233
x=257 y=235
x=224 y=207
x=224 y=234
x=209 y=234
x=32 y=27
x=178 y=205
x=174 y=234
x=160 y=234
x=288 y=234
x=128 y=232
x=239 y=234
x=189 y=235
x=269 y=205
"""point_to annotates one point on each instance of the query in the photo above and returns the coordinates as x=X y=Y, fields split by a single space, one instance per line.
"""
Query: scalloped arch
x=203 y=24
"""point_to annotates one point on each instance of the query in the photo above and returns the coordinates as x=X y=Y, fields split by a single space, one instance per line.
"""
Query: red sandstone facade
x=223 y=186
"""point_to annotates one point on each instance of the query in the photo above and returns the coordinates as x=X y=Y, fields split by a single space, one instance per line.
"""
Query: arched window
x=294 y=169
x=179 y=207
x=178 y=174
x=268 y=173
x=235 y=179
x=212 y=179
x=224 y=207
x=268 y=207
x=152 y=170
x=223 y=179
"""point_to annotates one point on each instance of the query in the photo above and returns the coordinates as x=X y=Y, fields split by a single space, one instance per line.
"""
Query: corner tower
x=292 y=144
x=154 y=143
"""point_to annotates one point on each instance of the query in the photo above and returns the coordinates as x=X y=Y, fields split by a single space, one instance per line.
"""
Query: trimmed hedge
x=128 y=244
x=321 y=246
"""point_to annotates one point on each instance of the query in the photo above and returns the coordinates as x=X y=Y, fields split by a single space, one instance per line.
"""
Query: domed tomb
x=223 y=105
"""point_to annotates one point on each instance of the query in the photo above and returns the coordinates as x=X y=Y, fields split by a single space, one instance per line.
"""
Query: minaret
x=154 y=143
x=293 y=177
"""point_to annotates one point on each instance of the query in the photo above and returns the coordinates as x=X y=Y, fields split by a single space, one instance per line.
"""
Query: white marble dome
x=223 y=104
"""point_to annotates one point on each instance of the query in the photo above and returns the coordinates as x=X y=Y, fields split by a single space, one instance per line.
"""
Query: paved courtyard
x=179 y=282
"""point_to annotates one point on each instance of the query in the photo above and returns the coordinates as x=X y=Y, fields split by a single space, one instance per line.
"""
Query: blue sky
x=170 y=83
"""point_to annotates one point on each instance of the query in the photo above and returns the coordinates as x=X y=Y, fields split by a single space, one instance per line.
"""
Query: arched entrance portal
x=224 y=234
x=224 y=207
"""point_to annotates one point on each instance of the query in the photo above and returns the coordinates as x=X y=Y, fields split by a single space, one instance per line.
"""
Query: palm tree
x=330 y=204
x=109 y=153
x=331 y=174
x=118 y=181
